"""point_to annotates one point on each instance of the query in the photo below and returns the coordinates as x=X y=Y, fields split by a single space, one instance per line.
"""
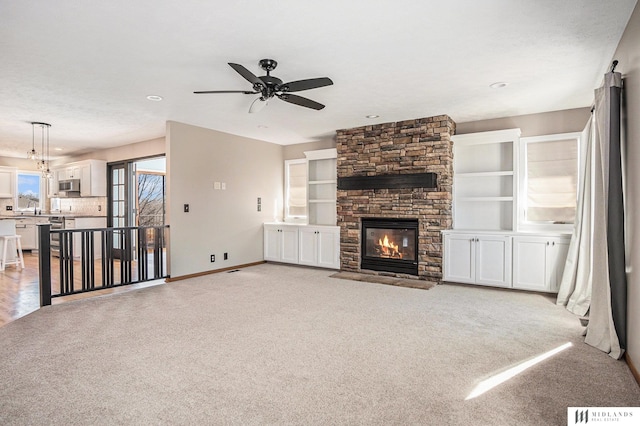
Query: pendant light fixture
x=43 y=164
x=33 y=154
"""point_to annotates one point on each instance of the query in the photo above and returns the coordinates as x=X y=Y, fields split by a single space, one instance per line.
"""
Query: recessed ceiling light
x=372 y=116
x=262 y=126
x=155 y=98
x=499 y=85
x=57 y=149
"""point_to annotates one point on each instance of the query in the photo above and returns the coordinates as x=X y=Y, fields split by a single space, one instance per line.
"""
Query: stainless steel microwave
x=69 y=187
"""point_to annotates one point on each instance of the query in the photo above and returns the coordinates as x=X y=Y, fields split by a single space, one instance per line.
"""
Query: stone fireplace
x=395 y=173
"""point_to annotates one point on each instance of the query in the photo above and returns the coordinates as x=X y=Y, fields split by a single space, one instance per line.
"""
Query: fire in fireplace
x=390 y=245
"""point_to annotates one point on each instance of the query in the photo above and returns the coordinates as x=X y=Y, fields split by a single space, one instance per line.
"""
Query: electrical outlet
x=9 y=208
x=186 y=210
x=223 y=186
x=99 y=208
x=213 y=258
x=226 y=256
x=69 y=208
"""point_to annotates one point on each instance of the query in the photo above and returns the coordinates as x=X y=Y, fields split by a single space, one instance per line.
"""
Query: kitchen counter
x=49 y=215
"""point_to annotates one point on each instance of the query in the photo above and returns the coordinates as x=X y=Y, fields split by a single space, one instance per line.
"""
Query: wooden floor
x=20 y=294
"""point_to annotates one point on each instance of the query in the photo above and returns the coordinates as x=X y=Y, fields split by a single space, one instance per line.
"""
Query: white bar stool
x=19 y=259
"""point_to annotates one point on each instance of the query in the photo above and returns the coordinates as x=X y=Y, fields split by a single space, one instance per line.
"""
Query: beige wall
x=150 y=148
x=219 y=221
x=20 y=163
x=628 y=55
x=546 y=123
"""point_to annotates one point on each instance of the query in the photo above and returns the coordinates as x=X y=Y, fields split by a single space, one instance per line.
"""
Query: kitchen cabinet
x=86 y=223
x=7 y=182
x=27 y=231
x=319 y=246
x=27 y=228
x=539 y=262
x=281 y=243
x=91 y=173
x=477 y=259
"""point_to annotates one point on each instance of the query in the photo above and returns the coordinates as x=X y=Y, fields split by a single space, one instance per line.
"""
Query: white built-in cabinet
x=319 y=246
x=539 y=262
x=485 y=246
x=7 y=182
x=322 y=186
x=281 y=242
x=478 y=259
x=505 y=259
x=302 y=244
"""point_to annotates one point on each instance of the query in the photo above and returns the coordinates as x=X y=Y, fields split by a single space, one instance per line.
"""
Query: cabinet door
x=459 y=258
x=530 y=270
x=27 y=234
x=556 y=260
x=6 y=183
x=289 y=244
x=271 y=243
x=84 y=174
x=308 y=237
x=493 y=260
x=328 y=248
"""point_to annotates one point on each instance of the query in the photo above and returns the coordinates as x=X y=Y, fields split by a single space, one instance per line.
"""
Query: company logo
x=582 y=416
x=578 y=416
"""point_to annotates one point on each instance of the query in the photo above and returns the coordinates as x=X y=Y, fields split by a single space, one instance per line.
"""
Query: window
x=549 y=176
x=29 y=185
x=295 y=172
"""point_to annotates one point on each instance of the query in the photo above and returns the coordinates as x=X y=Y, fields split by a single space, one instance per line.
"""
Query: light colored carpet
x=276 y=344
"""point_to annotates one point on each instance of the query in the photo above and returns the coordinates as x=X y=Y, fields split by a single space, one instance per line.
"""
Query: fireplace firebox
x=390 y=245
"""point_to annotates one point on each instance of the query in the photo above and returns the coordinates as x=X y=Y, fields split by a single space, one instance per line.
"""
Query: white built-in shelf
x=322 y=182
x=484 y=187
x=322 y=201
x=485 y=199
x=484 y=174
x=322 y=186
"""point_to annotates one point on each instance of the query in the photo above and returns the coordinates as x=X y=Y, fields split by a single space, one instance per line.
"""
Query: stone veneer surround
x=412 y=146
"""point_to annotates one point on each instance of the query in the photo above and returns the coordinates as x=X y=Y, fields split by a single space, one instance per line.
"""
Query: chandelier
x=43 y=161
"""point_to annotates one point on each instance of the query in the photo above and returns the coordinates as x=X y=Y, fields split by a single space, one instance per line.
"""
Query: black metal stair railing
x=106 y=257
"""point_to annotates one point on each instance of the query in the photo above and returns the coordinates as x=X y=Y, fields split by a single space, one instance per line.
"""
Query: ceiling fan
x=269 y=86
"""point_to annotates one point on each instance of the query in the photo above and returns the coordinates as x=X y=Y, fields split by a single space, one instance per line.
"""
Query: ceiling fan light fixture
x=258 y=105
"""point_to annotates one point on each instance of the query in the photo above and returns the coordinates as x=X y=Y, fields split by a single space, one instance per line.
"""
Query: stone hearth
x=408 y=147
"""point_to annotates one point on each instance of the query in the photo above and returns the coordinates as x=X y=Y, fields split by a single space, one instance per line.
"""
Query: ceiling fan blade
x=248 y=75
x=299 y=100
x=246 y=92
x=311 y=83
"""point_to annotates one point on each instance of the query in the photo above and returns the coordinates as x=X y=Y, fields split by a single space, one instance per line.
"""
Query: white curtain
x=593 y=280
x=575 y=287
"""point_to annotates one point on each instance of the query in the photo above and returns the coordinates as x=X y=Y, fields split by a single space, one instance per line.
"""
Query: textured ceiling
x=86 y=67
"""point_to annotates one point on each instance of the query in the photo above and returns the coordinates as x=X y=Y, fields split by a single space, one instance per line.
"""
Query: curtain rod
x=614 y=64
